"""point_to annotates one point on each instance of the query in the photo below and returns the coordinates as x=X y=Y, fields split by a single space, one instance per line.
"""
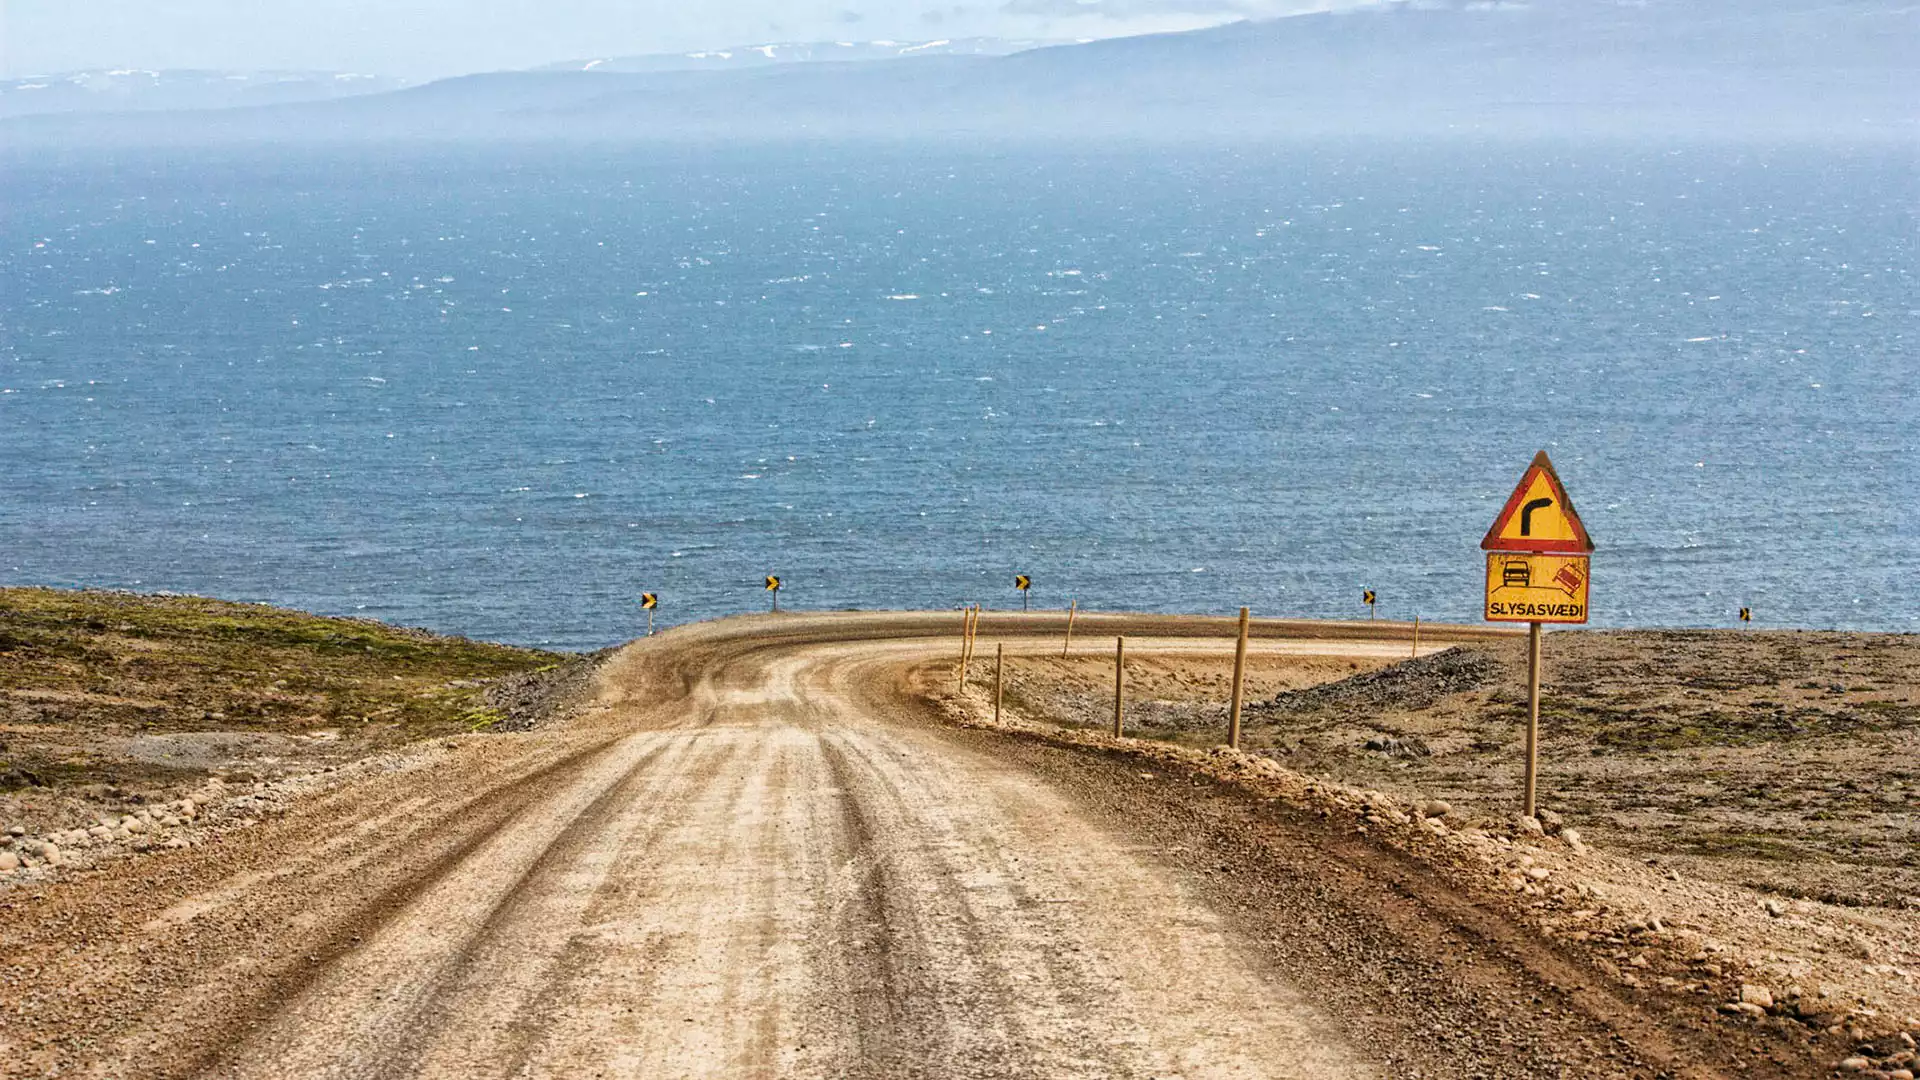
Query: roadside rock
x=1394 y=746
x=1434 y=808
x=1756 y=995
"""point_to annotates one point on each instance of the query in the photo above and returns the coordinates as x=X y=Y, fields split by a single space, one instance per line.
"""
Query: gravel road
x=757 y=854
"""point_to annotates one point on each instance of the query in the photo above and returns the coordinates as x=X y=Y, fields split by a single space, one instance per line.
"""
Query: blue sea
x=503 y=391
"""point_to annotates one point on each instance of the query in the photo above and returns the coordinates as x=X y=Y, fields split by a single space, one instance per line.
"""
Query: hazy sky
x=419 y=38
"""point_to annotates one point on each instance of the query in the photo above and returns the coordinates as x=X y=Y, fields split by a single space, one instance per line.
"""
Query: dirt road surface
x=761 y=854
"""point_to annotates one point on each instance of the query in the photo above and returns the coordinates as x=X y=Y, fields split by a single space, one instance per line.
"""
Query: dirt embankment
x=132 y=722
x=1740 y=810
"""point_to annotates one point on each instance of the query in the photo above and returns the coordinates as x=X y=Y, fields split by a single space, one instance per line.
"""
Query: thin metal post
x=1119 y=683
x=1416 y=636
x=973 y=634
x=1073 y=606
x=1533 y=716
x=1239 y=682
x=966 y=624
x=999 y=676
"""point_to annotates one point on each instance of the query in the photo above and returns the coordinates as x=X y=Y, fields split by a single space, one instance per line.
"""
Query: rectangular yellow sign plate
x=1527 y=587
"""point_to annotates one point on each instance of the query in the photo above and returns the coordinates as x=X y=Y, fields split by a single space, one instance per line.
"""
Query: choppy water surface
x=501 y=393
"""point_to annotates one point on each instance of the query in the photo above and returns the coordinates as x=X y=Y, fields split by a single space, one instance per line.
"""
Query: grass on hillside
x=75 y=665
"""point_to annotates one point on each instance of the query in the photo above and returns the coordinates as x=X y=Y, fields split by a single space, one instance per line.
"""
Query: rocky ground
x=133 y=722
x=1731 y=817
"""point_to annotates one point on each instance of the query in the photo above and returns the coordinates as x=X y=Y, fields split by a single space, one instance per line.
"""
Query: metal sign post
x=1119 y=684
x=1025 y=585
x=773 y=586
x=649 y=601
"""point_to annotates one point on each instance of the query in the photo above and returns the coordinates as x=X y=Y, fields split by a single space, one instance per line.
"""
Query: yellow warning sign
x=1525 y=587
x=1538 y=516
x=649 y=601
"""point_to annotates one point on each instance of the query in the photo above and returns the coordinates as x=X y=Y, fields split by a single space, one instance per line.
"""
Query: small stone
x=17 y=830
x=1775 y=908
x=1539 y=873
x=1855 y=1064
x=1571 y=838
x=1434 y=808
x=1530 y=825
x=100 y=832
x=1551 y=822
x=1756 y=995
x=9 y=862
x=1748 y=1008
x=134 y=825
x=1900 y=1074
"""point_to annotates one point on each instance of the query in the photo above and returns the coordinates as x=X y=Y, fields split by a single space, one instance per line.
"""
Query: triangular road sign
x=1539 y=516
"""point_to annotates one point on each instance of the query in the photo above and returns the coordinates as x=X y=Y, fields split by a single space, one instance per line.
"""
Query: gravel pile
x=532 y=698
x=1414 y=684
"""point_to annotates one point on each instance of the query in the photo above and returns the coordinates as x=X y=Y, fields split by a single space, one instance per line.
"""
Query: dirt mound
x=531 y=698
x=1414 y=684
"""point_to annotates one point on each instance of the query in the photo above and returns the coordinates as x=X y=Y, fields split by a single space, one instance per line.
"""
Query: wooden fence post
x=1239 y=682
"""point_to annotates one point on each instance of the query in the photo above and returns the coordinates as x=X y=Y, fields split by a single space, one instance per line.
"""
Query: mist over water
x=502 y=392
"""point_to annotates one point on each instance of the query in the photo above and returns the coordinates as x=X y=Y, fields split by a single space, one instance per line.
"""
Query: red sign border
x=1581 y=544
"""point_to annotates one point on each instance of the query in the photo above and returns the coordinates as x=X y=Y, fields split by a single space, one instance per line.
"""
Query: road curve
x=753 y=856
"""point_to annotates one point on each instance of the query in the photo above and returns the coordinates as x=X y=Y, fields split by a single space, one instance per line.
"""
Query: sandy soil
x=762 y=851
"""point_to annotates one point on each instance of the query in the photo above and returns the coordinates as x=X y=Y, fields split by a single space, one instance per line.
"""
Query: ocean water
x=502 y=392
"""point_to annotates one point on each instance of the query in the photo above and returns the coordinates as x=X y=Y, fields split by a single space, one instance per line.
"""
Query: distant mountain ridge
x=1653 y=68
x=811 y=52
x=141 y=90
